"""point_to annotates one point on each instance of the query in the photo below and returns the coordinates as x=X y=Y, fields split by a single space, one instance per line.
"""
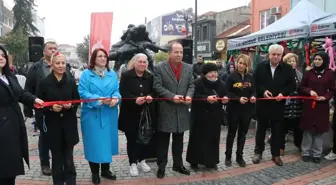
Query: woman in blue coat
x=99 y=119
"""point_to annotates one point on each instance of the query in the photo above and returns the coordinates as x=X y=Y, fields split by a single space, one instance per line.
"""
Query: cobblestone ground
x=294 y=170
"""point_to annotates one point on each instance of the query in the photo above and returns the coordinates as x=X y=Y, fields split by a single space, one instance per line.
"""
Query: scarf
x=100 y=71
x=210 y=84
x=176 y=69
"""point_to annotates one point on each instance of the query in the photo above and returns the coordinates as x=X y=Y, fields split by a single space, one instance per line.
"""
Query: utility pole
x=195 y=31
x=186 y=18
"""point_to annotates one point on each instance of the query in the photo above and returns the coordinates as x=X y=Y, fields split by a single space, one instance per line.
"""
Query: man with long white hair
x=273 y=79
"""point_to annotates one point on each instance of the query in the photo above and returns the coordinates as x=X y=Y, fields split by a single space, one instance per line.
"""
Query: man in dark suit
x=173 y=79
x=273 y=78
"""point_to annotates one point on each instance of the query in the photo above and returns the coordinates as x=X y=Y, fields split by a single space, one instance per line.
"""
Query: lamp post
x=195 y=31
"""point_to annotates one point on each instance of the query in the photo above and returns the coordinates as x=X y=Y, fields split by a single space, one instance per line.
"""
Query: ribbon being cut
x=51 y=103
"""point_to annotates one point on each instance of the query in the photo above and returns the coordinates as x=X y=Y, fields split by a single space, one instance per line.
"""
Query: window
x=8 y=21
x=198 y=34
x=263 y=18
x=5 y=20
x=11 y=23
x=266 y=18
x=205 y=33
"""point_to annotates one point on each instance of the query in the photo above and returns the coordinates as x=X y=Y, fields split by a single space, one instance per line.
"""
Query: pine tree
x=23 y=15
x=83 y=49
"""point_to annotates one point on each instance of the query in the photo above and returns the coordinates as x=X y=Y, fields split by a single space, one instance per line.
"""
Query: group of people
x=166 y=95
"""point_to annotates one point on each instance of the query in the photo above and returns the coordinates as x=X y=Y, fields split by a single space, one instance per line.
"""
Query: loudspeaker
x=35 y=48
x=187 y=50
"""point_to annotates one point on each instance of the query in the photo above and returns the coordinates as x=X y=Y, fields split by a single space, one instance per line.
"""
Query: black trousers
x=95 y=167
x=43 y=146
x=277 y=134
x=135 y=151
x=292 y=124
x=240 y=123
x=8 y=181
x=63 y=167
x=177 y=149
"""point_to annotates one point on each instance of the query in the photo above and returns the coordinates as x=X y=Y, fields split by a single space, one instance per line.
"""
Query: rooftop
x=240 y=29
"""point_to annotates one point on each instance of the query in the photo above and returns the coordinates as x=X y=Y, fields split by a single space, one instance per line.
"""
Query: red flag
x=101 y=28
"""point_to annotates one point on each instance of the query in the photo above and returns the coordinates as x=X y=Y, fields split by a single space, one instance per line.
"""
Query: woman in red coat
x=319 y=82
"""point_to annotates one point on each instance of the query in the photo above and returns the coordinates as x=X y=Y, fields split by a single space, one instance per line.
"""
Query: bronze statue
x=134 y=40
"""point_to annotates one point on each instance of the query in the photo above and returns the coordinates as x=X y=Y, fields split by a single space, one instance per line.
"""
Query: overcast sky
x=68 y=21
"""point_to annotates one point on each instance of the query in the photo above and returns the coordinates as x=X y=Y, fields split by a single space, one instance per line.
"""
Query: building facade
x=70 y=54
x=6 y=19
x=230 y=18
x=205 y=34
x=211 y=24
x=326 y=5
x=265 y=12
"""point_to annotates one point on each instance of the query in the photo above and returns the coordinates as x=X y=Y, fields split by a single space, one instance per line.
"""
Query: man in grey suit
x=173 y=79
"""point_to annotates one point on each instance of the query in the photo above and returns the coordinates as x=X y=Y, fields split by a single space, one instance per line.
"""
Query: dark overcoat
x=282 y=82
x=60 y=126
x=13 y=134
x=317 y=119
x=132 y=86
x=206 y=121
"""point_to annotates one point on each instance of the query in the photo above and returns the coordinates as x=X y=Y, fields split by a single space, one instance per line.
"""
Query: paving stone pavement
x=294 y=170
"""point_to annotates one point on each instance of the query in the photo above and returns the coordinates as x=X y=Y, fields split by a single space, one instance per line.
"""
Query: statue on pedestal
x=134 y=40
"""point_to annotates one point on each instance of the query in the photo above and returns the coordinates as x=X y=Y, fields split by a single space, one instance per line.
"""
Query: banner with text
x=255 y=39
x=174 y=23
x=100 y=33
x=326 y=26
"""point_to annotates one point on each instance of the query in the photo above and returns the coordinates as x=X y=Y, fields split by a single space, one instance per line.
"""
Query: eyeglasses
x=101 y=56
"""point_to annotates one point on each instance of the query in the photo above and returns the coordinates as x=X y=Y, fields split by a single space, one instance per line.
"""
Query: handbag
x=145 y=130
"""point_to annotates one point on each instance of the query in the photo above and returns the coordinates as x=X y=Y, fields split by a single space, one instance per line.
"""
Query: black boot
x=106 y=173
x=95 y=178
x=228 y=161
x=240 y=160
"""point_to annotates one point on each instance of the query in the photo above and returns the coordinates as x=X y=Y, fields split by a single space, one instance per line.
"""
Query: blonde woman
x=136 y=86
x=239 y=85
x=60 y=120
x=293 y=107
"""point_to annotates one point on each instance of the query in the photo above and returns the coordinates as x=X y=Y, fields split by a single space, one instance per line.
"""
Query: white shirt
x=273 y=69
x=4 y=78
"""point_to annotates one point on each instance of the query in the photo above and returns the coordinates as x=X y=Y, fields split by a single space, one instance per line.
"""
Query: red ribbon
x=51 y=103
